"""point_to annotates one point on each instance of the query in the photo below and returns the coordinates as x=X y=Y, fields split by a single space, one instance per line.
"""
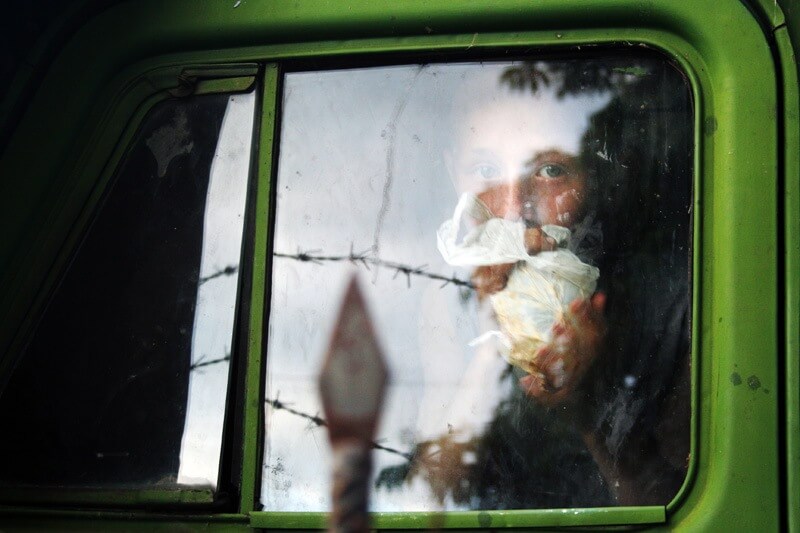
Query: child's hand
x=493 y=278
x=576 y=343
x=537 y=241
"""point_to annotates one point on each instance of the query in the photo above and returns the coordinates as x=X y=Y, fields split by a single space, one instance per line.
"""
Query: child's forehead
x=524 y=121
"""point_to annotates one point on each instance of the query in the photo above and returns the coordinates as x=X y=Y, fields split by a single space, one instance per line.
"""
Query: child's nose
x=506 y=200
x=512 y=201
x=515 y=201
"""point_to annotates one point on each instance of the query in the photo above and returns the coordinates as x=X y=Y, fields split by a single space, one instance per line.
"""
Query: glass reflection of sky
x=216 y=297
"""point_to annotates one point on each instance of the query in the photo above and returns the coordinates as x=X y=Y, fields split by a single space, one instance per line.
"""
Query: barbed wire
x=318 y=421
x=227 y=271
x=200 y=363
x=365 y=260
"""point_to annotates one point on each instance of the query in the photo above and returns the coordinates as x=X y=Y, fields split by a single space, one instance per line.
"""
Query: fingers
x=537 y=387
x=551 y=375
x=544 y=357
x=599 y=302
x=491 y=279
x=563 y=362
x=579 y=307
x=585 y=325
x=588 y=310
x=559 y=328
x=537 y=241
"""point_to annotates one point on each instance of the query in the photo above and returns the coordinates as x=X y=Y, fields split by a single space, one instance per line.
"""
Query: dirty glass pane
x=124 y=381
x=522 y=233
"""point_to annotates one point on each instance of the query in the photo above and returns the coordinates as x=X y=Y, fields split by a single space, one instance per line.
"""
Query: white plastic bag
x=540 y=287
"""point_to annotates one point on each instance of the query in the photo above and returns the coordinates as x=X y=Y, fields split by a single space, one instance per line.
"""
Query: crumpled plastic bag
x=539 y=289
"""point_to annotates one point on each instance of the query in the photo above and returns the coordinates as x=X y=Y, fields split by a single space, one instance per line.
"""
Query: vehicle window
x=522 y=232
x=124 y=381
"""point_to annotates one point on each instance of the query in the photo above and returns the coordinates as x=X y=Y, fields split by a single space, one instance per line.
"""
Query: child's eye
x=487 y=172
x=551 y=171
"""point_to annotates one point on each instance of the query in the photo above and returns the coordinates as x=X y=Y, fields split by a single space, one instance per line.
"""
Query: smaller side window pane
x=124 y=381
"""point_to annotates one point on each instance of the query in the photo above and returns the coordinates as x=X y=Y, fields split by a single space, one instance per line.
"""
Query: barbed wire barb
x=359 y=258
x=446 y=282
x=227 y=271
x=200 y=363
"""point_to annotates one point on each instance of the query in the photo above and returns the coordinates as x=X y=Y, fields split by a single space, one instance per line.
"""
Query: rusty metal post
x=352 y=385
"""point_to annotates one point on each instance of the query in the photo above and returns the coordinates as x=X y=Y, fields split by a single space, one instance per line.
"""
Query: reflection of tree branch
x=227 y=271
x=366 y=260
x=320 y=422
x=574 y=77
x=200 y=363
x=445 y=463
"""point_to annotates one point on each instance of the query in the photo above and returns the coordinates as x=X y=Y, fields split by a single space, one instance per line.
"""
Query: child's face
x=519 y=156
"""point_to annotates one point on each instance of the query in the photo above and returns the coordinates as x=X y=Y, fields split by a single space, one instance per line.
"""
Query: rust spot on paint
x=710 y=126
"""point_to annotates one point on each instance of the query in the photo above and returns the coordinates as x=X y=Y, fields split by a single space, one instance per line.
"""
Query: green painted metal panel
x=112 y=497
x=477 y=519
x=791 y=221
x=47 y=520
x=224 y=85
x=788 y=39
x=254 y=406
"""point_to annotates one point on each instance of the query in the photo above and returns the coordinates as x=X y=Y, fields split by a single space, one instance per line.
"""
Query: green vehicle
x=575 y=226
